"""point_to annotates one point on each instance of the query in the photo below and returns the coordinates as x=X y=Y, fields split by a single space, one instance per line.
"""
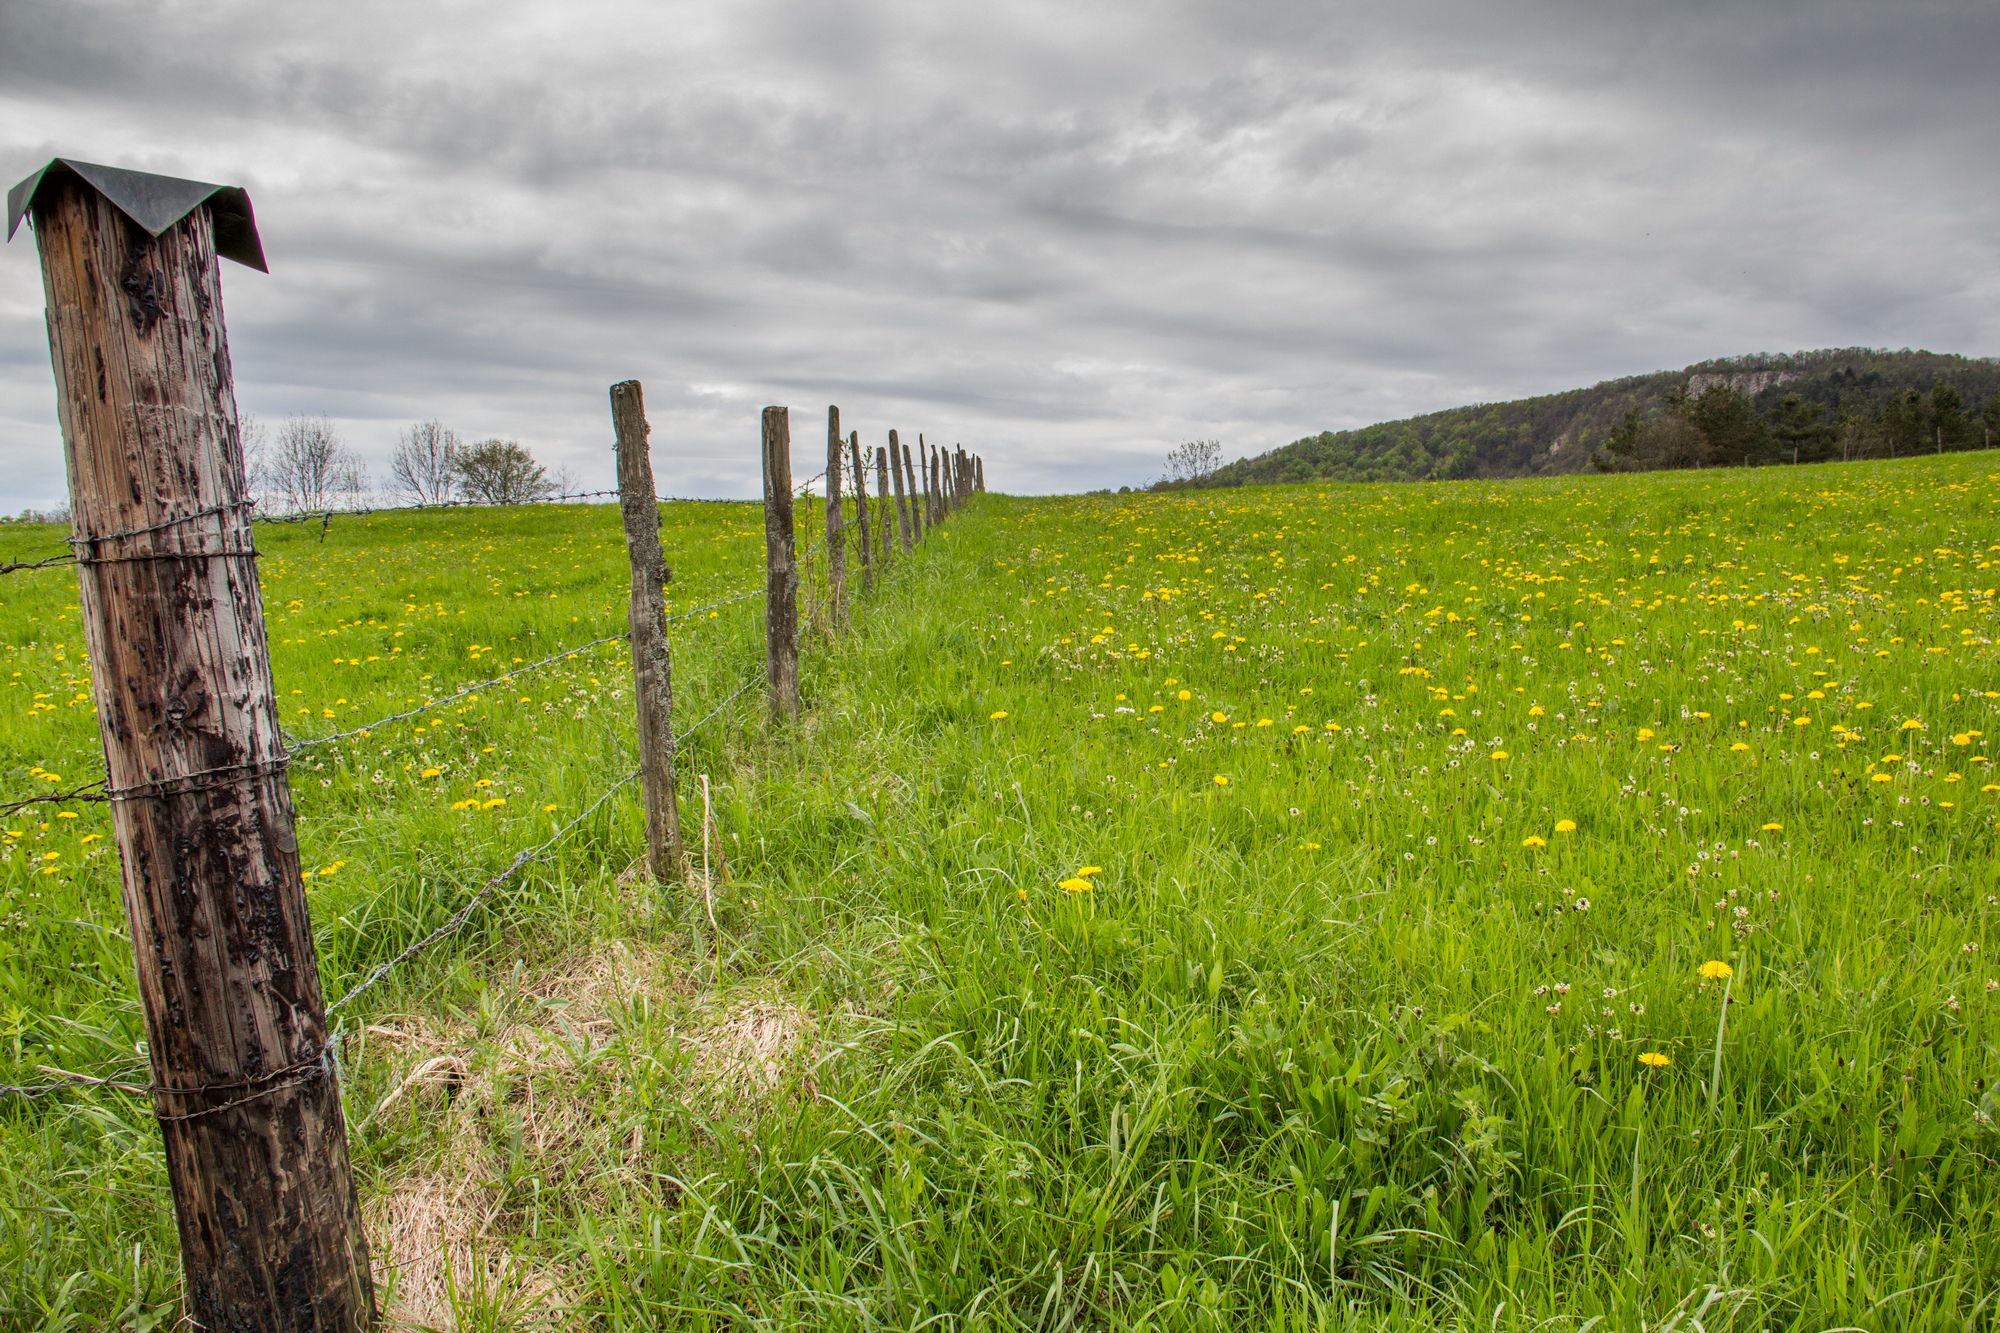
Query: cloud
x=1067 y=236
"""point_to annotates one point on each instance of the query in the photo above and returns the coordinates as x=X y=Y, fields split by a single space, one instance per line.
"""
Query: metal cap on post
x=173 y=619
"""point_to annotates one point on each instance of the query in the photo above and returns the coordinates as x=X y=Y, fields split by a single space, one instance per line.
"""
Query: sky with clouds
x=1067 y=236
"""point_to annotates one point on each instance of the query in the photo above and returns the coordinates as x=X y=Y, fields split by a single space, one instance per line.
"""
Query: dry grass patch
x=529 y=1109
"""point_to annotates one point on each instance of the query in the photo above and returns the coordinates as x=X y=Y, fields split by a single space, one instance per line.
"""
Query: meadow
x=1498 y=905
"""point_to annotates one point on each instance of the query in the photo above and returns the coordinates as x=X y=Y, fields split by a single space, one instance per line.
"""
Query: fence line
x=808 y=553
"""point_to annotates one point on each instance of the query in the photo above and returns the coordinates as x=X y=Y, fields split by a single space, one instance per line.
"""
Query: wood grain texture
x=781 y=600
x=249 y=1110
x=652 y=657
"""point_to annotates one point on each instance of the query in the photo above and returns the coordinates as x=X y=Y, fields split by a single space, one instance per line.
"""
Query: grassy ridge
x=1414 y=816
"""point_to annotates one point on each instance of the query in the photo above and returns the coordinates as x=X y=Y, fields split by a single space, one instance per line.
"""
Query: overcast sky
x=1066 y=235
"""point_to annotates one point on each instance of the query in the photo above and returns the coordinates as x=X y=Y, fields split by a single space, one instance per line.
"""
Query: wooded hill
x=1750 y=410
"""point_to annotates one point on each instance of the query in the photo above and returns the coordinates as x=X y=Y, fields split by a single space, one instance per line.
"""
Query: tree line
x=1828 y=404
x=305 y=465
x=1723 y=427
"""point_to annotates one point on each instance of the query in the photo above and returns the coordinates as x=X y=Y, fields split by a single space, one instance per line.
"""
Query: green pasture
x=1476 y=905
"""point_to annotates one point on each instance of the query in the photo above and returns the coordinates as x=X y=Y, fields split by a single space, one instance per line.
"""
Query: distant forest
x=1747 y=411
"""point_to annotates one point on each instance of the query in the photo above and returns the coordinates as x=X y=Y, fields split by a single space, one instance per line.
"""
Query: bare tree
x=256 y=441
x=310 y=468
x=1194 y=462
x=424 y=467
x=502 y=472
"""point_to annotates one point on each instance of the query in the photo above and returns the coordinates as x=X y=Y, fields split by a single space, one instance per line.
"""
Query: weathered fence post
x=888 y=510
x=937 y=484
x=978 y=475
x=927 y=461
x=836 y=536
x=861 y=511
x=652 y=662
x=243 y=1082
x=897 y=455
x=781 y=571
x=916 y=506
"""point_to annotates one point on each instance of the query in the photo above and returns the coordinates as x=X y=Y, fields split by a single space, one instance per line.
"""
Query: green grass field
x=1251 y=909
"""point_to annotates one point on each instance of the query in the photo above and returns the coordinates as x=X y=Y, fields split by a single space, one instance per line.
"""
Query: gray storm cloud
x=1067 y=236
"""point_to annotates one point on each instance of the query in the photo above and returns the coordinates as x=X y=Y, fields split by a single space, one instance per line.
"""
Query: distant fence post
x=781 y=600
x=652 y=664
x=978 y=475
x=836 y=536
x=897 y=466
x=243 y=1083
x=861 y=511
x=882 y=494
x=916 y=506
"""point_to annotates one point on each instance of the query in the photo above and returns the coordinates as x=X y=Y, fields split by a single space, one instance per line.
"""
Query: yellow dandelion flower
x=1654 y=1059
x=1913 y=725
x=1088 y=871
x=493 y=804
x=1565 y=826
x=1740 y=746
x=1221 y=781
x=1773 y=828
x=1499 y=754
x=1184 y=696
x=1218 y=717
x=1074 y=885
x=1802 y=721
x=1534 y=840
x=433 y=772
x=1716 y=970
x=996 y=717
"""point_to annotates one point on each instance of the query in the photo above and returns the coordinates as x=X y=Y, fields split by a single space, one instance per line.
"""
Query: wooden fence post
x=916 y=505
x=243 y=1082
x=652 y=664
x=861 y=511
x=781 y=570
x=882 y=495
x=896 y=456
x=978 y=475
x=937 y=484
x=836 y=536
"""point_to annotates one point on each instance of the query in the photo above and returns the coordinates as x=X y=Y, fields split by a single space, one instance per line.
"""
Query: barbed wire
x=92 y=791
x=17 y=566
x=526 y=857
x=89 y=791
x=464 y=913
x=306 y=743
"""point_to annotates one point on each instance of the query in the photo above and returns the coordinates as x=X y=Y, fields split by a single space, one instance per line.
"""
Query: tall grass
x=1416 y=813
